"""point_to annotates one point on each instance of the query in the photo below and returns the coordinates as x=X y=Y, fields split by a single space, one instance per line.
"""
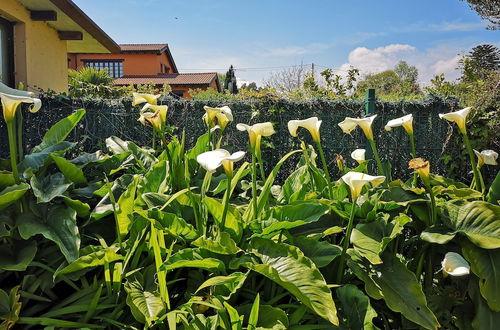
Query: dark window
x=177 y=94
x=6 y=53
x=113 y=67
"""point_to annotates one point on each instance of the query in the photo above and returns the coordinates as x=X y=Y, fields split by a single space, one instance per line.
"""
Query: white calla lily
x=455 y=265
x=311 y=124
x=356 y=181
x=405 y=121
x=459 y=117
x=139 y=98
x=224 y=116
x=256 y=132
x=212 y=160
x=488 y=157
x=10 y=104
x=155 y=115
x=359 y=155
x=348 y=124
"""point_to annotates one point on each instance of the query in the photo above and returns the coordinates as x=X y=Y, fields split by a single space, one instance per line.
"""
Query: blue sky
x=259 y=36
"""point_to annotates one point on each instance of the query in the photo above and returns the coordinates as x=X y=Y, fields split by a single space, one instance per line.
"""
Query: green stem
x=13 y=150
x=414 y=155
x=433 y=206
x=204 y=186
x=227 y=196
x=345 y=244
x=254 y=185
x=472 y=160
x=113 y=204
x=377 y=158
x=481 y=181
x=19 y=134
x=420 y=264
x=261 y=167
x=209 y=139
x=309 y=164
x=325 y=167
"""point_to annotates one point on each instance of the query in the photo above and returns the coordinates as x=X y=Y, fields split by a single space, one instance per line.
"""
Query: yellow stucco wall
x=40 y=58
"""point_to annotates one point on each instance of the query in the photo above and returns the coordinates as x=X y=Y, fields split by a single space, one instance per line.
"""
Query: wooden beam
x=70 y=35
x=43 y=15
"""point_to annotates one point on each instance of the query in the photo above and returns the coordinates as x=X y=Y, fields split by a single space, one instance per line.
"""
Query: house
x=36 y=37
x=143 y=64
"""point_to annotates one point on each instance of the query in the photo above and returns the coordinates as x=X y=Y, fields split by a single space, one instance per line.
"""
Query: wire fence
x=105 y=118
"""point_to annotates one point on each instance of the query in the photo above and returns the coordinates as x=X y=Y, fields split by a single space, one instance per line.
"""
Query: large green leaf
x=36 y=160
x=70 y=171
x=11 y=194
x=58 y=225
x=296 y=185
x=6 y=178
x=223 y=244
x=49 y=187
x=18 y=256
x=355 y=306
x=232 y=225
x=287 y=266
x=370 y=239
x=125 y=206
x=146 y=306
x=486 y=265
x=398 y=286
x=194 y=258
x=154 y=181
x=291 y=216
x=225 y=285
x=269 y=317
x=320 y=252
x=60 y=130
x=173 y=225
x=105 y=207
x=117 y=145
x=91 y=256
x=494 y=193
x=485 y=318
x=479 y=221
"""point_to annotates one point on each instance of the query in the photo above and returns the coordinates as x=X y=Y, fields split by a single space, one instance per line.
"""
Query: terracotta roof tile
x=143 y=47
x=171 y=79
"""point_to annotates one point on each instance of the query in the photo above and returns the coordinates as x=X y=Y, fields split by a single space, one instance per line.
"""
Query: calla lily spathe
x=212 y=160
x=155 y=115
x=256 y=132
x=139 y=98
x=311 y=124
x=405 y=121
x=356 y=181
x=218 y=116
x=359 y=155
x=422 y=167
x=455 y=265
x=459 y=117
x=488 y=157
x=350 y=124
x=10 y=104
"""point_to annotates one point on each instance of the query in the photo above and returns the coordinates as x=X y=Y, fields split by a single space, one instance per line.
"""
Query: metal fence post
x=369 y=110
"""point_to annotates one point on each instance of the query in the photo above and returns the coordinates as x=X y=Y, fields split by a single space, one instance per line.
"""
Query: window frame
x=113 y=66
x=10 y=50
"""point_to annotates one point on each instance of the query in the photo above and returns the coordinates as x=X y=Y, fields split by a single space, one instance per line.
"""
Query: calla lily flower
x=218 y=116
x=405 y=121
x=365 y=123
x=212 y=160
x=139 y=98
x=356 y=181
x=359 y=155
x=488 y=157
x=10 y=104
x=155 y=115
x=455 y=265
x=458 y=117
x=256 y=132
x=311 y=124
x=422 y=167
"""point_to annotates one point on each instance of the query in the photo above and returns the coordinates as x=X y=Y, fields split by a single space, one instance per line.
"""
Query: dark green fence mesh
x=117 y=117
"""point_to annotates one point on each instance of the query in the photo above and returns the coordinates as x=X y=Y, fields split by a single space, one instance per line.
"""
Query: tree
x=230 y=81
x=287 y=80
x=251 y=86
x=401 y=82
x=480 y=62
x=488 y=10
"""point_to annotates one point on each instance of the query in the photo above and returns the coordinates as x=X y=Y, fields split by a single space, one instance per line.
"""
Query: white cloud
x=294 y=50
x=378 y=59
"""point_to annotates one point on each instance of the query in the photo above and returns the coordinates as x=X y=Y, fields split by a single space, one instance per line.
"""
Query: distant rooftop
x=144 y=47
x=205 y=78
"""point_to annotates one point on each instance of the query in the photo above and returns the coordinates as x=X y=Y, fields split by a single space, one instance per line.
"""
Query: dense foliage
x=162 y=237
